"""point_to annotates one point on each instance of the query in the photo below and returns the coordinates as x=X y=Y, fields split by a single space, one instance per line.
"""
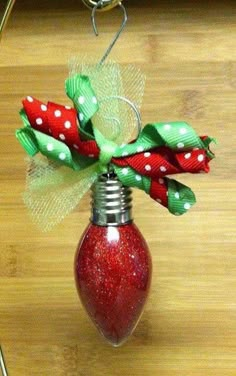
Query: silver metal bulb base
x=111 y=202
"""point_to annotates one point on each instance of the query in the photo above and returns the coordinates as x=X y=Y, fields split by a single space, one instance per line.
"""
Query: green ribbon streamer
x=79 y=90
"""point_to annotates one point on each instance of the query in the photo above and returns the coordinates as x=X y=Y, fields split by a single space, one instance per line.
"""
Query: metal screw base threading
x=111 y=202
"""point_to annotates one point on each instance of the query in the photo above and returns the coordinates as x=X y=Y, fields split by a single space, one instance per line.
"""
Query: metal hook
x=107 y=4
x=3 y=364
x=110 y=170
x=6 y=15
x=132 y=105
x=124 y=22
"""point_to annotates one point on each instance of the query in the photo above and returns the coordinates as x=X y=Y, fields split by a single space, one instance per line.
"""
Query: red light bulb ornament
x=112 y=263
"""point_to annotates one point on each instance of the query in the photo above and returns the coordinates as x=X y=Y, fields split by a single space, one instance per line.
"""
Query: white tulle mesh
x=52 y=191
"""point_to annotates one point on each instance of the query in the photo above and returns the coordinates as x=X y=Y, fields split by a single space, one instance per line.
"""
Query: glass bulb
x=113 y=264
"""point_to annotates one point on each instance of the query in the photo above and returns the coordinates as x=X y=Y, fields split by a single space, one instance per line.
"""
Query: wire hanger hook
x=3 y=364
x=133 y=107
x=6 y=14
x=124 y=22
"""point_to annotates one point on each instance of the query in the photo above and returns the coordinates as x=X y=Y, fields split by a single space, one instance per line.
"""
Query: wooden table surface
x=187 y=51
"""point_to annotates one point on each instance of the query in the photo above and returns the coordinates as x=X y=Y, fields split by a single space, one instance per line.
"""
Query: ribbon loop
x=106 y=152
x=107 y=149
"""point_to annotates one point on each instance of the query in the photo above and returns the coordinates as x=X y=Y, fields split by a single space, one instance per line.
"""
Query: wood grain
x=187 y=50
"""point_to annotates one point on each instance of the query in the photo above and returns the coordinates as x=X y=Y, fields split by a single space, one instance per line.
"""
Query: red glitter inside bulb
x=113 y=274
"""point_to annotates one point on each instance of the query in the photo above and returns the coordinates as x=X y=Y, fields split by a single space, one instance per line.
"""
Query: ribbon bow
x=68 y=137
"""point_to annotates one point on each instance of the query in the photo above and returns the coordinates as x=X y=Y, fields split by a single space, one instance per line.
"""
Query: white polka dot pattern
x=200 y=158
x=81 y=100
x=50 y=147
x=57 y=113
x=148 y=167
x=187 y=155
x=43 y=107
x=67 y=124
x=139 y=149
x=81 y=116
x=187 y=206
x=163 y=169
x=183 y=131
x=62 y=156
x=39 y=121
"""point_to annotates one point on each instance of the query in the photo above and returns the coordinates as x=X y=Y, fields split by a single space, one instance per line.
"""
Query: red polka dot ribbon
x=69 y=137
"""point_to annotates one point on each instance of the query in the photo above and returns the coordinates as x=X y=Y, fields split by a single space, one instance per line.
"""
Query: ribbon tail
x=53 y=192
x=177 y=197
x=180 y=197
